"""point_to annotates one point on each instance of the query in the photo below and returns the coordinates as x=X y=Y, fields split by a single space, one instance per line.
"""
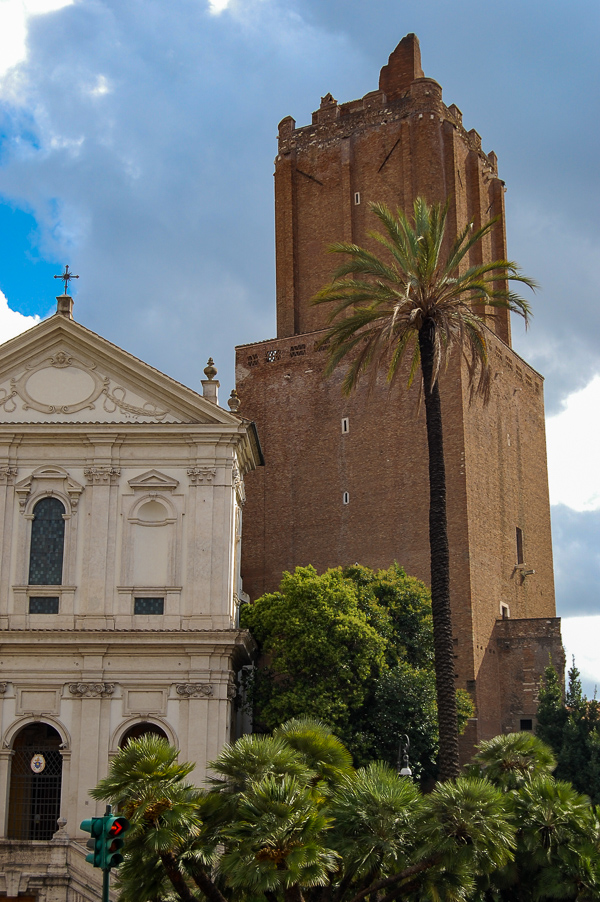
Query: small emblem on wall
x=37 y=764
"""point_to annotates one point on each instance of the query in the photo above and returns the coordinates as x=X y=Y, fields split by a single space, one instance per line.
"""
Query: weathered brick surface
x=394 y=148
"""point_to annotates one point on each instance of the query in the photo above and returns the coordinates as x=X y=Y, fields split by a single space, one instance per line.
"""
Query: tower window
x=298 y=350
x=47 y=543
x=272 y=355
x=148 y=606
x=505 y=611
x=520 y=558
x=346 y=498
x=526 y=724
x=357 y=197
x=345 y=425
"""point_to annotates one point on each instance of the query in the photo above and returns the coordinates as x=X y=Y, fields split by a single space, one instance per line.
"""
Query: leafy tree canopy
x=354 y=648
x=570 y=725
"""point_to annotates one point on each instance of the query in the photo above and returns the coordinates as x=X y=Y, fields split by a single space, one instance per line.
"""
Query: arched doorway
x=141 y=729
x=35 y=783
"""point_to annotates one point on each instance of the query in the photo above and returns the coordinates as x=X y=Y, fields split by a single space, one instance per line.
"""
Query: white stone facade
x=142 y=627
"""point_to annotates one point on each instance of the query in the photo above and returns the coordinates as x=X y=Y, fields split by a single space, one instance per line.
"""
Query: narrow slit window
x=148 y=606
x=346 y=498
x=520 y=557
x=357 y=197
x=345 y=425
x=505 y=611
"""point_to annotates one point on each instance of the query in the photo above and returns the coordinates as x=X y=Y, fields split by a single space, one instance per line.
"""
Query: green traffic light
x=94 y=826
x=114 y=831
x=106 y=840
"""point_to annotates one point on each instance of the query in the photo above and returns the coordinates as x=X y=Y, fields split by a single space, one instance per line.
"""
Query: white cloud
x=573 y=437
x=13 y=323
x=581 y=637
x=217 y=6
x=14 y=15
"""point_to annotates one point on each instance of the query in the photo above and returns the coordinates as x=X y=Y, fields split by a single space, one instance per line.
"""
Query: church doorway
x=35 y=783
x=142 y=729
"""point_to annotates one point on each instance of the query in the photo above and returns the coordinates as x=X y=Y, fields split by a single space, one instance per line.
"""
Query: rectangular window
x=148 y=606
x=505 y=611
x=43 y=605
x=345 y=425
x=346 y=498
x=357 y=198
x=526 y=724
x=520 y=558
x=298 y=350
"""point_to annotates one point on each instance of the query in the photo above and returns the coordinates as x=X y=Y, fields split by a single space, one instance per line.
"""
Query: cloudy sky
x=137 y=140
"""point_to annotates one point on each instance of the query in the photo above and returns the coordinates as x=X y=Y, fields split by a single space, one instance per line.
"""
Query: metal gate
x=35 y=783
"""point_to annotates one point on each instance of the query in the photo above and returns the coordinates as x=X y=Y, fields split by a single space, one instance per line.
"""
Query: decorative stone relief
x=231 y=690
x=92 y=690
x=238 y=483
x=3 y=688
x=63 y=383
x=102 y=475
x=7 y=474
x=189 y=690
x=47 y=476
x=201 y=475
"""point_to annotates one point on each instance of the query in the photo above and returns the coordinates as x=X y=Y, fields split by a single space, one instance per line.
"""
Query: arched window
x=141 y=729
x=47 y=543
x=35 y=783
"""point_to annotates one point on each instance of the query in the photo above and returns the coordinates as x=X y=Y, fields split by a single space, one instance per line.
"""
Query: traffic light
x=106 y=840
x=114 y=831
x=94 y=826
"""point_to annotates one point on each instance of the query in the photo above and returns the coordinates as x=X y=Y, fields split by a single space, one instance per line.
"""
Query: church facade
x=120 y=511
x=346 y=478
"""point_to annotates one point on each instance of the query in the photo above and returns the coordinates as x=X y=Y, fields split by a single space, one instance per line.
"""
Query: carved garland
x=201 y=475
x=102 y=475
x=92 y=690
x=192 y=690
x=7 y=474
x=114 y=399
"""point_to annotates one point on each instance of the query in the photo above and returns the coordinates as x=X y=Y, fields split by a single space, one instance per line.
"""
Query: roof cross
x=66 y=277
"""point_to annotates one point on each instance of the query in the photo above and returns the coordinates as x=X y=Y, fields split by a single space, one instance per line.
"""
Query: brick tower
x=346 y=478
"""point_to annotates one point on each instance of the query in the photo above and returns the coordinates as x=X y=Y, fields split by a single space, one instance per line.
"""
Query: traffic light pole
x=106 y=873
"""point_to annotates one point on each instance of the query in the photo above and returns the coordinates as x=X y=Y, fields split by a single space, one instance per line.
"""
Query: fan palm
x=421 y=302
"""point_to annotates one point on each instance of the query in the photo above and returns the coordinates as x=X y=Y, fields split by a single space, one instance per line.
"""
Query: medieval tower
x=346 y=478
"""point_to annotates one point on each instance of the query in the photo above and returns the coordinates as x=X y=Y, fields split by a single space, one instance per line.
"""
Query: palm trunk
x=440 y=566
x=177 y=879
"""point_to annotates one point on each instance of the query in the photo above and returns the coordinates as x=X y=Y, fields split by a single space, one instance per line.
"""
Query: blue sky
x=137 y=143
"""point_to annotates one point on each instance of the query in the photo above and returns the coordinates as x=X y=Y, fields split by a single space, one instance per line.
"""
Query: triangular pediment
x=61 y=372
x=154 y=480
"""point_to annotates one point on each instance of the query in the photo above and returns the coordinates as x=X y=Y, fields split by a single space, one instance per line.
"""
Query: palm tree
x=422 y=301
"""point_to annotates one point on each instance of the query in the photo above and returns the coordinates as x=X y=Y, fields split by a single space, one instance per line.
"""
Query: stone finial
x=64 y=305
x=404 y=65
x=210 y=371
x=234 y=401
x=210 y=385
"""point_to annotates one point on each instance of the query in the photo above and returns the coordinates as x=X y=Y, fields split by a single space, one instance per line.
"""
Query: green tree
x=371 y=690
x=422 y=301
x=571 y=727
x=557 y=852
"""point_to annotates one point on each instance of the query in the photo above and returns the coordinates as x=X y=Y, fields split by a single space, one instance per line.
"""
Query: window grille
x=252 y=360
x=47 y=543
x=34 y=805
x=148 y=606
x=43 y=605
x=272 y=356
x=297 y=350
